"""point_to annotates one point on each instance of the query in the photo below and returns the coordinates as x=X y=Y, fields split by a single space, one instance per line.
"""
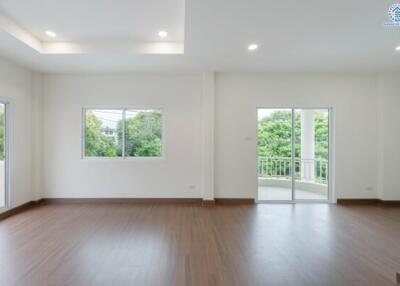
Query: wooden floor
x=183 y=244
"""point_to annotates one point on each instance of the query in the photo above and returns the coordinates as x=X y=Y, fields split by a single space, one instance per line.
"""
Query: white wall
x=353 y=97
x=16 y=87
x=66 y=175
x=46 y=132
x=362 y=105
x=389 y=135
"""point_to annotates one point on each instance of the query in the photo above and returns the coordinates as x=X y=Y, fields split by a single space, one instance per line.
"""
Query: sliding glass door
x=293 y=154
x=3 y=155
x=275 y=154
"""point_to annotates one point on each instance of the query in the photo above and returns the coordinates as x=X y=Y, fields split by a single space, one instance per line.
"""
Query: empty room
x=199 y=142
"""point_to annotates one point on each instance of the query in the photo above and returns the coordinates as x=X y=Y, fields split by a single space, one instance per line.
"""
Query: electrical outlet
x=192 y=187
x=369 y=189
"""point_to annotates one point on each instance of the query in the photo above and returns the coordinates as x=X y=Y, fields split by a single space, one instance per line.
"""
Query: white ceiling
x=311 y=35
x=76 y=20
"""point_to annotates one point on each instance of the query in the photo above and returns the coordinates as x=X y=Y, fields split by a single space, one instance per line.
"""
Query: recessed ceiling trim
x=10 y=27
x=114 y=47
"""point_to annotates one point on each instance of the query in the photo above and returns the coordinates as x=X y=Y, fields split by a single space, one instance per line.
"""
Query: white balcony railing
x=314 y=170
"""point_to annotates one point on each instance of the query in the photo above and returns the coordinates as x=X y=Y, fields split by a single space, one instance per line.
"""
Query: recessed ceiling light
x=162 y=34
x=51 y=34
x=252 y=47
x=398 y=48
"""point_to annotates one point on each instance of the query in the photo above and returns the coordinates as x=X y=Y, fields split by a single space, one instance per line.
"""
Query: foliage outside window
x=2 y=130
x=275 y=137
x=123 y=133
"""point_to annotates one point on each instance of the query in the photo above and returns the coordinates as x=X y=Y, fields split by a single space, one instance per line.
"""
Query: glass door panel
x=274 y=149
x=311 y=128
x=2 y=155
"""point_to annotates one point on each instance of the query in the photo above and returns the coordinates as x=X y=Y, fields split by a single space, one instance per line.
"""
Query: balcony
x=275 y=181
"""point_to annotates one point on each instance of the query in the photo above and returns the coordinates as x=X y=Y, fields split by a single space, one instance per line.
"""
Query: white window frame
x=122 y=157
x=7 y=154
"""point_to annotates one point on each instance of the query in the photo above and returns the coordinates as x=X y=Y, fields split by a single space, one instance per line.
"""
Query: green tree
x=321 y=135
x=274 y=135
x=275 y=138
x=96 y=143
x=2 y=130
x=142 y=134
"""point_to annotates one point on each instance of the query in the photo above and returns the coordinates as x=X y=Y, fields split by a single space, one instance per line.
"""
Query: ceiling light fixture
x=398 y=48
x=51 y=34
x=162 y=34
x=252 y=47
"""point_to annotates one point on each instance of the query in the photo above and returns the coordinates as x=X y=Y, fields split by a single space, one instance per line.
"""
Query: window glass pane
x=312 y=154
x=274 y=154
x=2 y=131
x=103 y=133
x=2 y=155
x=143 y=133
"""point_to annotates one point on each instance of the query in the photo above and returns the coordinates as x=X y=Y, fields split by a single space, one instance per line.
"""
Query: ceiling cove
x=82 y=27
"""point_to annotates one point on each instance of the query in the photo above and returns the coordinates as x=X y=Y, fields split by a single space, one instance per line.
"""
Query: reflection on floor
x=266 y=193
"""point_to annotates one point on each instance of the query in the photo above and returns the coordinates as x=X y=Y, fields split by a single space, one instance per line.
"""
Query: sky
x=110 y=117
x=262 y=112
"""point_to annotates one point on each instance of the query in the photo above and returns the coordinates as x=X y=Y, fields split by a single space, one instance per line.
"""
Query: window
x=142 y=133
x=4 y=174
x=123 y=133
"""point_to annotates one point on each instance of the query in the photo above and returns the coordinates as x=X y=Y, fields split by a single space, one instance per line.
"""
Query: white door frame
x=7 y=149
x=331 y=157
